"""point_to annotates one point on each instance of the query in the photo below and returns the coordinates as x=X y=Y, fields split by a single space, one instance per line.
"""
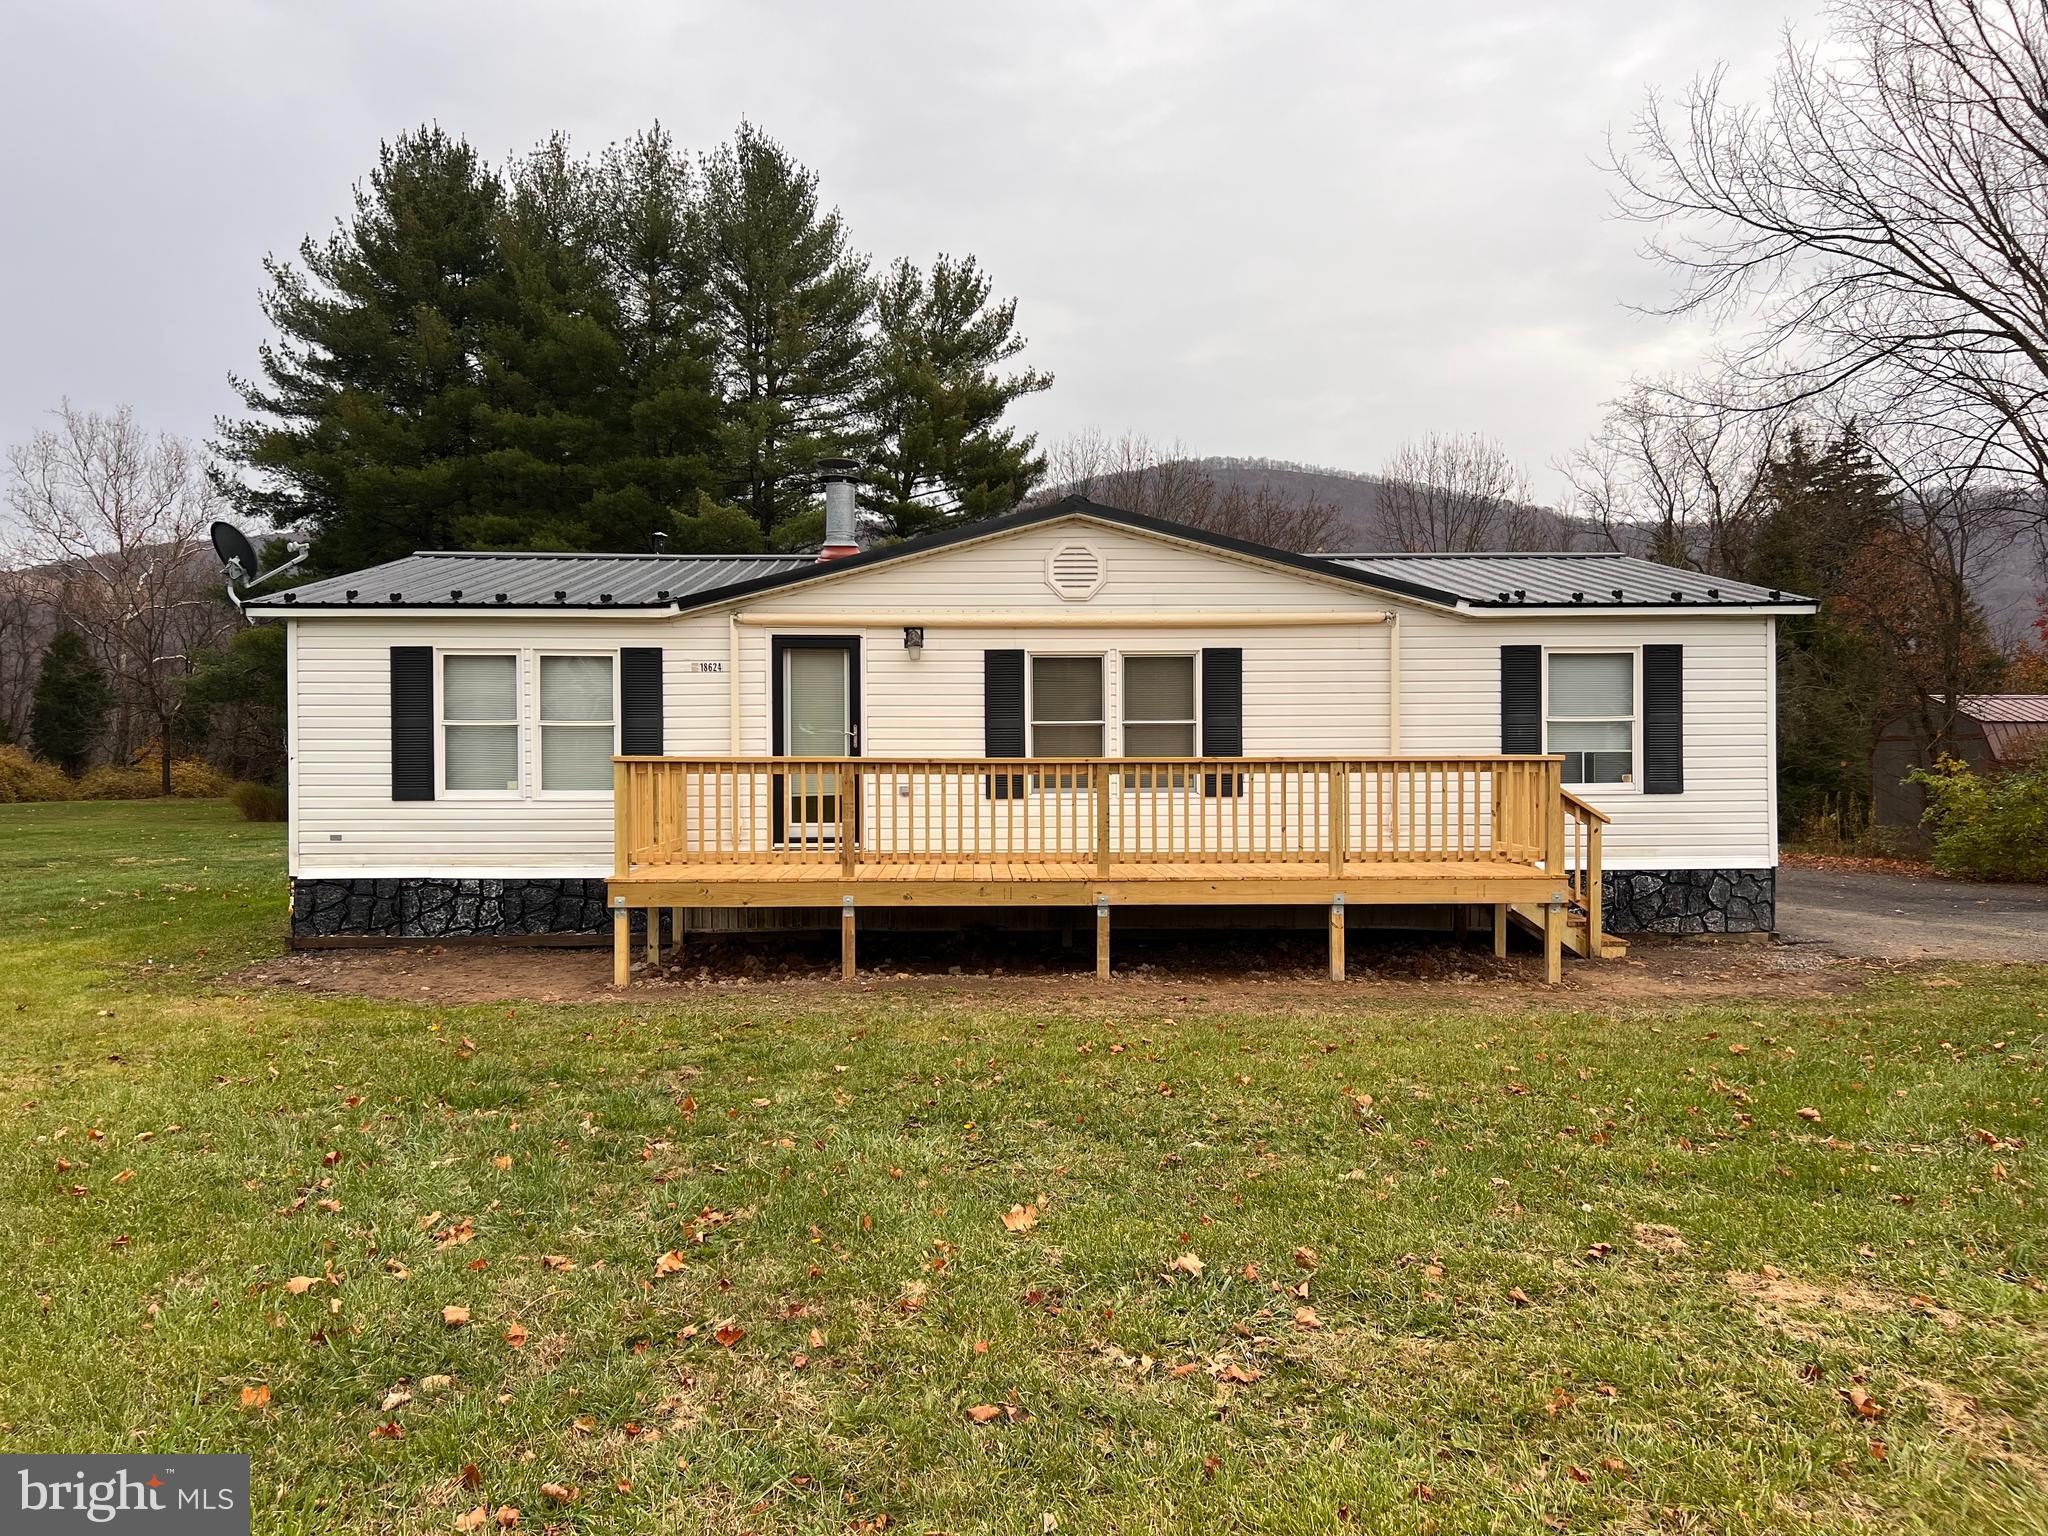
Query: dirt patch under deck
x=1225 y=972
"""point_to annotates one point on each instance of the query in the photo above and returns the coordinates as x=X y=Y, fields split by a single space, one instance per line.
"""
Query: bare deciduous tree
x=1916 y=592
x=1128 y=472
x=1681 y=483
x=1457 y=492
x=114 y=521
x=1879 y=224
x=24 y=629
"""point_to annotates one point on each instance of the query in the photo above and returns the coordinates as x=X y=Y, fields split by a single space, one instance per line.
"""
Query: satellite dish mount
x=238 y=559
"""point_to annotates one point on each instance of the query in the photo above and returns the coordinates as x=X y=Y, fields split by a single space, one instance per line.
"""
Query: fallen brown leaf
x=256 y=1397
x=455 y=1317
x=1020 y=1218
x=472 y=1520
x=984 y=1413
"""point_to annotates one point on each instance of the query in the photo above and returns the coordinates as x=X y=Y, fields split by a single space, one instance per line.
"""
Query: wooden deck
x=869 y=833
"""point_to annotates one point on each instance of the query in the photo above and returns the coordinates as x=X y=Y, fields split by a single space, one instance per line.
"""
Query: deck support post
x=1500 y=930
x=1102 y=938
x=846 y=967
x=1553 y=941
x=653 y=936
x=675 y=933
x=622 y=942
x=1337 y=937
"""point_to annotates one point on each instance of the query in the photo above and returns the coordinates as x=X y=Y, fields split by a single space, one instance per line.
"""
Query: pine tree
x=69 y=713
x=787 y=305
x=574 y=353
x=647 y=242
x=364 y=421
x=937 y=397
x=1822 y=505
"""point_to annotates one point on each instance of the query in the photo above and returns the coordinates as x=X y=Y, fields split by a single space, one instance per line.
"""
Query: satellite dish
x=233 y=547
x=239 y=558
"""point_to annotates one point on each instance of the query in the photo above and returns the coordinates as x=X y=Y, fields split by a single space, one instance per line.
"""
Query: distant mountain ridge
x=2009 y=589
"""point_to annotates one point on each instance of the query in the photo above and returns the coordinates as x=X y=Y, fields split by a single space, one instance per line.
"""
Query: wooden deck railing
x=1097 y=812
x=1582 y=862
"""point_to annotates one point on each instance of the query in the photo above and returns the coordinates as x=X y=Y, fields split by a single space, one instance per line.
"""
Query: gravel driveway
x=1912 y=917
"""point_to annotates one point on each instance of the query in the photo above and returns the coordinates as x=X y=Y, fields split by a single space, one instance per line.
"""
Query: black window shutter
x=1521 y=698
x=640 y=733
x=1663 y=719
x=1002 y=718
x=412 y=722
x=1222 y=715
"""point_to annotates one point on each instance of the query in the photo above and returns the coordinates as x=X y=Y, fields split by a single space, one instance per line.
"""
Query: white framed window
x=1590 y=714
x=577 y=710
x=1160 y=713
x=1065 y=706
x=479 y=724
x=522 y=723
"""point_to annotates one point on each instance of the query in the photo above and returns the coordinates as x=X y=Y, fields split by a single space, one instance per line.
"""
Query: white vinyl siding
x=345 y=821
x=1310 y=690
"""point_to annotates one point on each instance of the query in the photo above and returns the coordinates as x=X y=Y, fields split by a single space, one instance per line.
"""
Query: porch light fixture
x=913 y=638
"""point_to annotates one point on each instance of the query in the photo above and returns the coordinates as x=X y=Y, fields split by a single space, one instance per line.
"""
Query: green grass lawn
x=740 y=1263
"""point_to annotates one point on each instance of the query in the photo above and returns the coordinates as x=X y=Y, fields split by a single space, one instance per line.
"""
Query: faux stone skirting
x=448 y=909
x=1635 y=901
x=1689 y=900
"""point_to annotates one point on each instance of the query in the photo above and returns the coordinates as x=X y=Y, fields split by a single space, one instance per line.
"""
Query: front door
x=818 y=716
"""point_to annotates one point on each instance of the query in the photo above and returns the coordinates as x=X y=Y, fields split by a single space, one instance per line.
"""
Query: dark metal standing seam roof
x=470 y=581
x=1567 y=579
x=451 y=579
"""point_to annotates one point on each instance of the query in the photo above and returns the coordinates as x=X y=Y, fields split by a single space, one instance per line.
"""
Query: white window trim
x=441 y=723
x=1634 y=786
x=1124 y=658
x=536 y=791
x=526 y=683
x=1031 y=658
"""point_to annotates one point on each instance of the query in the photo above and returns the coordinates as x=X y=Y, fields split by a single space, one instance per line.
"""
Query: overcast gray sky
x=1266 y=227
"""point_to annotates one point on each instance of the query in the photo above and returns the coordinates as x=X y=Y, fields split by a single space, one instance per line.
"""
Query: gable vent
x=1075 y=572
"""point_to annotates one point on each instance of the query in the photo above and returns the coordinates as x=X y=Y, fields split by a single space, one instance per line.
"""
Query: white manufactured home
x=1070 y=707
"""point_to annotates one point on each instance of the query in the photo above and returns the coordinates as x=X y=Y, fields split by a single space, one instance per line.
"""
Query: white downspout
x=732 y=684
x=1393 y=684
